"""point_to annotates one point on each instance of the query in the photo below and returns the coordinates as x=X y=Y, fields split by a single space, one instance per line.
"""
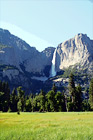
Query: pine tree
x=21 y=102
x=6 y=98
x=91 y=94
x=54 y=88
x=78 y=98
x=2 y=101
x=7 y=95
x=51 y=102
x=42 y=100
x=60 y=101
x=28 y=106
x=19 y=106
x=13 y=101
x=0 y=86
x=72 y=89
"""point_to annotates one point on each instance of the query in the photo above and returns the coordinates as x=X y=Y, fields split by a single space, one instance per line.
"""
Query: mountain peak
x=75 y=51
x=4 y=31
x=20 y=63
x=81 y=35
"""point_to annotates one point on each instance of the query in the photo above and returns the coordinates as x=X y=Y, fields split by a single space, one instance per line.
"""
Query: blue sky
x=43 y=23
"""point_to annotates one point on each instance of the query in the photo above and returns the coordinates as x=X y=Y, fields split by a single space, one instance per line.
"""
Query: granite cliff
x=20 y=63
x=23 y=65
x=77 y=51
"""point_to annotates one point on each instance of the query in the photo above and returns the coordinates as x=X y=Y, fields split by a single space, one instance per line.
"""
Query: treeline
x=52 y=101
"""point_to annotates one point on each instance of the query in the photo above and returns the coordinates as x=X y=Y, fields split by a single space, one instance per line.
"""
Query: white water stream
x=53 y=71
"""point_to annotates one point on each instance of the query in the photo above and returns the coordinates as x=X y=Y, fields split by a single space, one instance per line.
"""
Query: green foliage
x=67 y=71
x=72 y=89
x=13 y=100
x=2 y=102
x=60 y=102
x=4 y=96
x=76 y=95
x=36 y=103
x=91 y=94
x=21 y=102
x=20 y=92
x=78 y=98
x=19 y=106
x=70 y=106
x=85 y=105
x=28 y=105
x=51 y=101
x=42 y=101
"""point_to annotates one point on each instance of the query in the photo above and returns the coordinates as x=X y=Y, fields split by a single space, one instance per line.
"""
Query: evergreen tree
x=7 y=95
x=13 y=101
x=28 y=106
x=70 y=106
x=91 y=94
x=20 y=92
x=6 y=98
x=2 y=101
x=60 y=101
x=3 y=87
x=42 y=100
x=78 y=98
x=36 y=103
x=0 y=86
x=19 y=106
x=72 y=89
x=21 y=99
x=54 y=88
x=51 y=100
x=85 y=105
x=47 y=105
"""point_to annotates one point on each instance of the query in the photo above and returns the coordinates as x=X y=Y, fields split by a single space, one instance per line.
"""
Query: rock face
x=16 y=52
x=76 y=51
x=23 y=65
x=19 y=62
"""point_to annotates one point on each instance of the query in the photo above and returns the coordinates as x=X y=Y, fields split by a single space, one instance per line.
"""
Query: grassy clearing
x=46 y=126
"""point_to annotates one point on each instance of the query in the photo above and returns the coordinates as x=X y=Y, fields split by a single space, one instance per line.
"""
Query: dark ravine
x=23 y=65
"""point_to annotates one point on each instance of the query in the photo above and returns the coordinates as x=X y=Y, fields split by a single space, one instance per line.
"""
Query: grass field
x=46 y=126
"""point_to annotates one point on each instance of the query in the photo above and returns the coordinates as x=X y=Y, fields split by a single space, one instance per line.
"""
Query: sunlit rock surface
x=76 y=51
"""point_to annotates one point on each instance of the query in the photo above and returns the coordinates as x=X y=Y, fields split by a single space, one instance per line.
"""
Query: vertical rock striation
x=76 y=51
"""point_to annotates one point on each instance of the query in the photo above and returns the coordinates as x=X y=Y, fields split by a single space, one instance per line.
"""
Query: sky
x=44 y=23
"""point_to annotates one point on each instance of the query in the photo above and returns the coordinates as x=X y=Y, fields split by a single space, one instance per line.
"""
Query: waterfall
x=53 y=71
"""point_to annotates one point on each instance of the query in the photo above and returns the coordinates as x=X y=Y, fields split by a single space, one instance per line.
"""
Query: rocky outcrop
x=16 y=52
x=21 y=64
x=77 y=51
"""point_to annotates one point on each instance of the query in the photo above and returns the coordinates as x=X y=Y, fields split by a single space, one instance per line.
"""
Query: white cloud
x=31 y=39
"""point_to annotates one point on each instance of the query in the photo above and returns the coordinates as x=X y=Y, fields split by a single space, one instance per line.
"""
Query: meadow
x=46 y=126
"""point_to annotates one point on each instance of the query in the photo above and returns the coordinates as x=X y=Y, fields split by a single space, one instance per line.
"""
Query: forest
x=52 y=101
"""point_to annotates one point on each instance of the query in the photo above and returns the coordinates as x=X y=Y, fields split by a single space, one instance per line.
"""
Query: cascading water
x=53 y=71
